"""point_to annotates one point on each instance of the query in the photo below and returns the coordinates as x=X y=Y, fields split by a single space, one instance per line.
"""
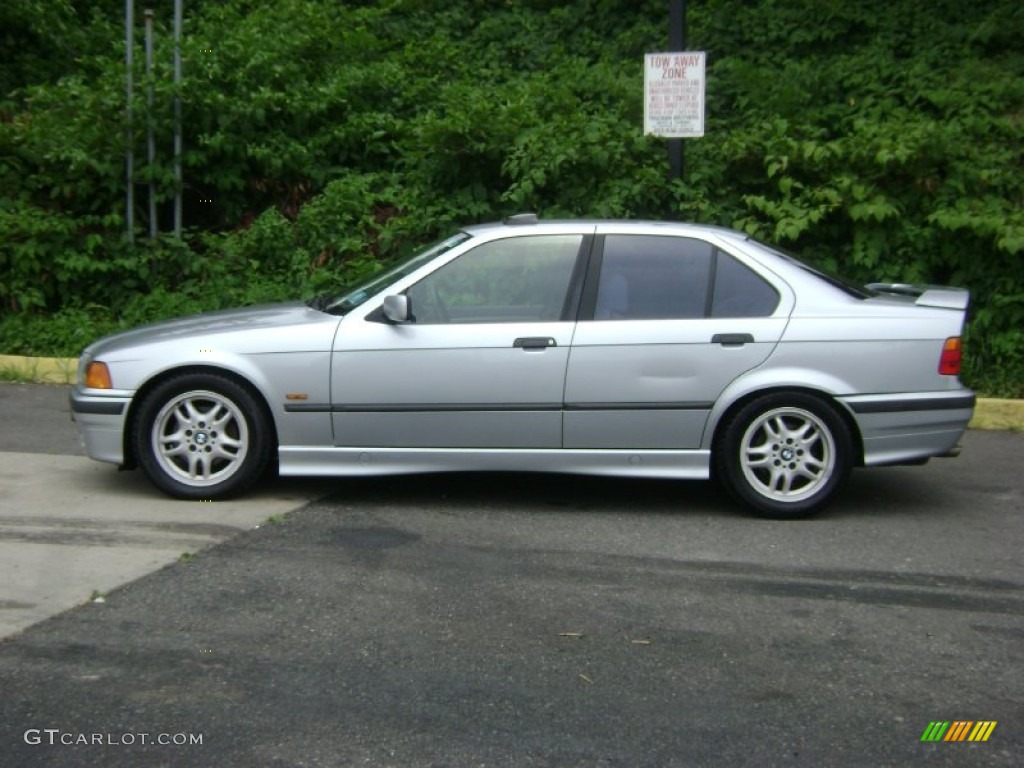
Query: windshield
x=345 y=303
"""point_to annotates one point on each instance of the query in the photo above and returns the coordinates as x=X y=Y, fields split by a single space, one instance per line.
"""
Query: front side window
x=516 y=279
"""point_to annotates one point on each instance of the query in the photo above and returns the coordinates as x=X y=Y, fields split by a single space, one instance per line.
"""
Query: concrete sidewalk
x=72 y=529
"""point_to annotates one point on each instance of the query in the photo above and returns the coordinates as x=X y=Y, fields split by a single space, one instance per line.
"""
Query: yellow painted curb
x=44 y=370
x=989 y=413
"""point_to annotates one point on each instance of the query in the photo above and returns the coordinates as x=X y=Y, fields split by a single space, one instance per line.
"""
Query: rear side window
x=647 y=277
x=653 y=278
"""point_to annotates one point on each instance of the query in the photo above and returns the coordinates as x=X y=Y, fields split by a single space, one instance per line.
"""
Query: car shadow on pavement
x=872 y=492
x=517 y=491
x=867 y=492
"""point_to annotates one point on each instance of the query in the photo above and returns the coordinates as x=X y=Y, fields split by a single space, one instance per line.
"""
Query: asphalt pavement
x=529 y=620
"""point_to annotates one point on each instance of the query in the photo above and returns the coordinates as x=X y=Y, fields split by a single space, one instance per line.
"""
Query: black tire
x=784 y=454
x=202 y=436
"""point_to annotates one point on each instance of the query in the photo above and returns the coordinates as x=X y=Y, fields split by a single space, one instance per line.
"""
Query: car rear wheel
x=784 y=454
x=201 y=436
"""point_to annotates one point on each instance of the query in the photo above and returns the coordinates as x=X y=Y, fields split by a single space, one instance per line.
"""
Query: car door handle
x=534 y=342
x=732 y=339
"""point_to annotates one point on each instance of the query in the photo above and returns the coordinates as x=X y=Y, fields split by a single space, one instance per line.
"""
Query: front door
x=481 y=362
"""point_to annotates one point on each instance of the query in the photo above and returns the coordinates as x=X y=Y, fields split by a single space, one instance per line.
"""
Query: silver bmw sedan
x=643 y=349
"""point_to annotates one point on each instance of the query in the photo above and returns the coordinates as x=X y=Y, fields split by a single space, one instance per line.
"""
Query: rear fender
x=775 y=379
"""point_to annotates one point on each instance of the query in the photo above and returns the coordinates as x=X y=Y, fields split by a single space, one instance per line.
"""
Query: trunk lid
x=941 y=296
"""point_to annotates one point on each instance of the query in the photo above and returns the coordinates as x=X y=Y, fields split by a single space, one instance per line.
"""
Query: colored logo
x=958 y=730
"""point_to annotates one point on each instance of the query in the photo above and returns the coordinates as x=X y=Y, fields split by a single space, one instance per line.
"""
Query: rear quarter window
x=741 y=292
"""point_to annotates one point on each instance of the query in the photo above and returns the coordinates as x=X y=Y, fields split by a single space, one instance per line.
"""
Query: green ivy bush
x=880 y=140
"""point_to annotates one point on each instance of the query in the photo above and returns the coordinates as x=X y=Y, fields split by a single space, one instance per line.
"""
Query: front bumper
x=101 y=416
x=911 y=427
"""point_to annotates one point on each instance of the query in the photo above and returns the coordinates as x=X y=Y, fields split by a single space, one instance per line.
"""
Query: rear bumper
x=101 y=421
x=911 y=426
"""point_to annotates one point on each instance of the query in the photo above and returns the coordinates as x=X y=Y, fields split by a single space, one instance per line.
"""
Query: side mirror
x=396 y=308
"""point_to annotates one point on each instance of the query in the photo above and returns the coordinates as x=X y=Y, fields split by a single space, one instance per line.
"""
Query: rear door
x=667 y=322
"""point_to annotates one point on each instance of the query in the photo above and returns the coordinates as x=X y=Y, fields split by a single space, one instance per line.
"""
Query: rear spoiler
x=927 y=295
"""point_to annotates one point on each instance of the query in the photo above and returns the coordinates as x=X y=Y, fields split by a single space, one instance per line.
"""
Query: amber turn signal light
x=952 y=353
x=97 y=376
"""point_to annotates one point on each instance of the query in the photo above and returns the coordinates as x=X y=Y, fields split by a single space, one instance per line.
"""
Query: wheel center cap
x=787 y=454
x=201 y=438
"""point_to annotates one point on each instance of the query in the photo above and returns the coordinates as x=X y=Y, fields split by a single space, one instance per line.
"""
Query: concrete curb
x=990 y=413
x=41 y=370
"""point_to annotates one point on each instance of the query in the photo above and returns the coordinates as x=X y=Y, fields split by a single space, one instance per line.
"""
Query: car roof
x=530 y=222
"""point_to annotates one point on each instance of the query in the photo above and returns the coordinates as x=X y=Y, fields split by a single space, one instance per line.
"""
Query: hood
x=231 y=327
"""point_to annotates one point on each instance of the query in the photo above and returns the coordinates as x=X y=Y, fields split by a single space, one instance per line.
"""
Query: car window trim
x=577 y=281
x=588 y=299
x=709 y=298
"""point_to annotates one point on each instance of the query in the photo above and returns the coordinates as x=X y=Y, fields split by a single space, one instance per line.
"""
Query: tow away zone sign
x=674 y=94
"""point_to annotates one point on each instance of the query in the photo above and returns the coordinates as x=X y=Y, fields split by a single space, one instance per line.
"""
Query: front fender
x=277 y=377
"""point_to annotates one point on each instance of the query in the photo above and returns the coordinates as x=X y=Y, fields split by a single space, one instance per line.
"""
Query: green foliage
x=881 y=140
x=61 y=334
x=39 y=41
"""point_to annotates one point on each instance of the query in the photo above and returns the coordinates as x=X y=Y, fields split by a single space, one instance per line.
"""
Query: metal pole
x=177 y=118
x=676 y=43
x=129 y=156
x=150 y=141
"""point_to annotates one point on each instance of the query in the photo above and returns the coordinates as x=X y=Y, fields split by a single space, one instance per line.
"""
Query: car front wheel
x=784 y=454
x=201 y=436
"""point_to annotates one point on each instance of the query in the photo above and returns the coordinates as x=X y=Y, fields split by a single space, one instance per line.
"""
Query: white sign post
x=674 y=94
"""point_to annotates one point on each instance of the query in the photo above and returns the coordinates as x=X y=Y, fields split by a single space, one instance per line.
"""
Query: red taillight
x=952 y=352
